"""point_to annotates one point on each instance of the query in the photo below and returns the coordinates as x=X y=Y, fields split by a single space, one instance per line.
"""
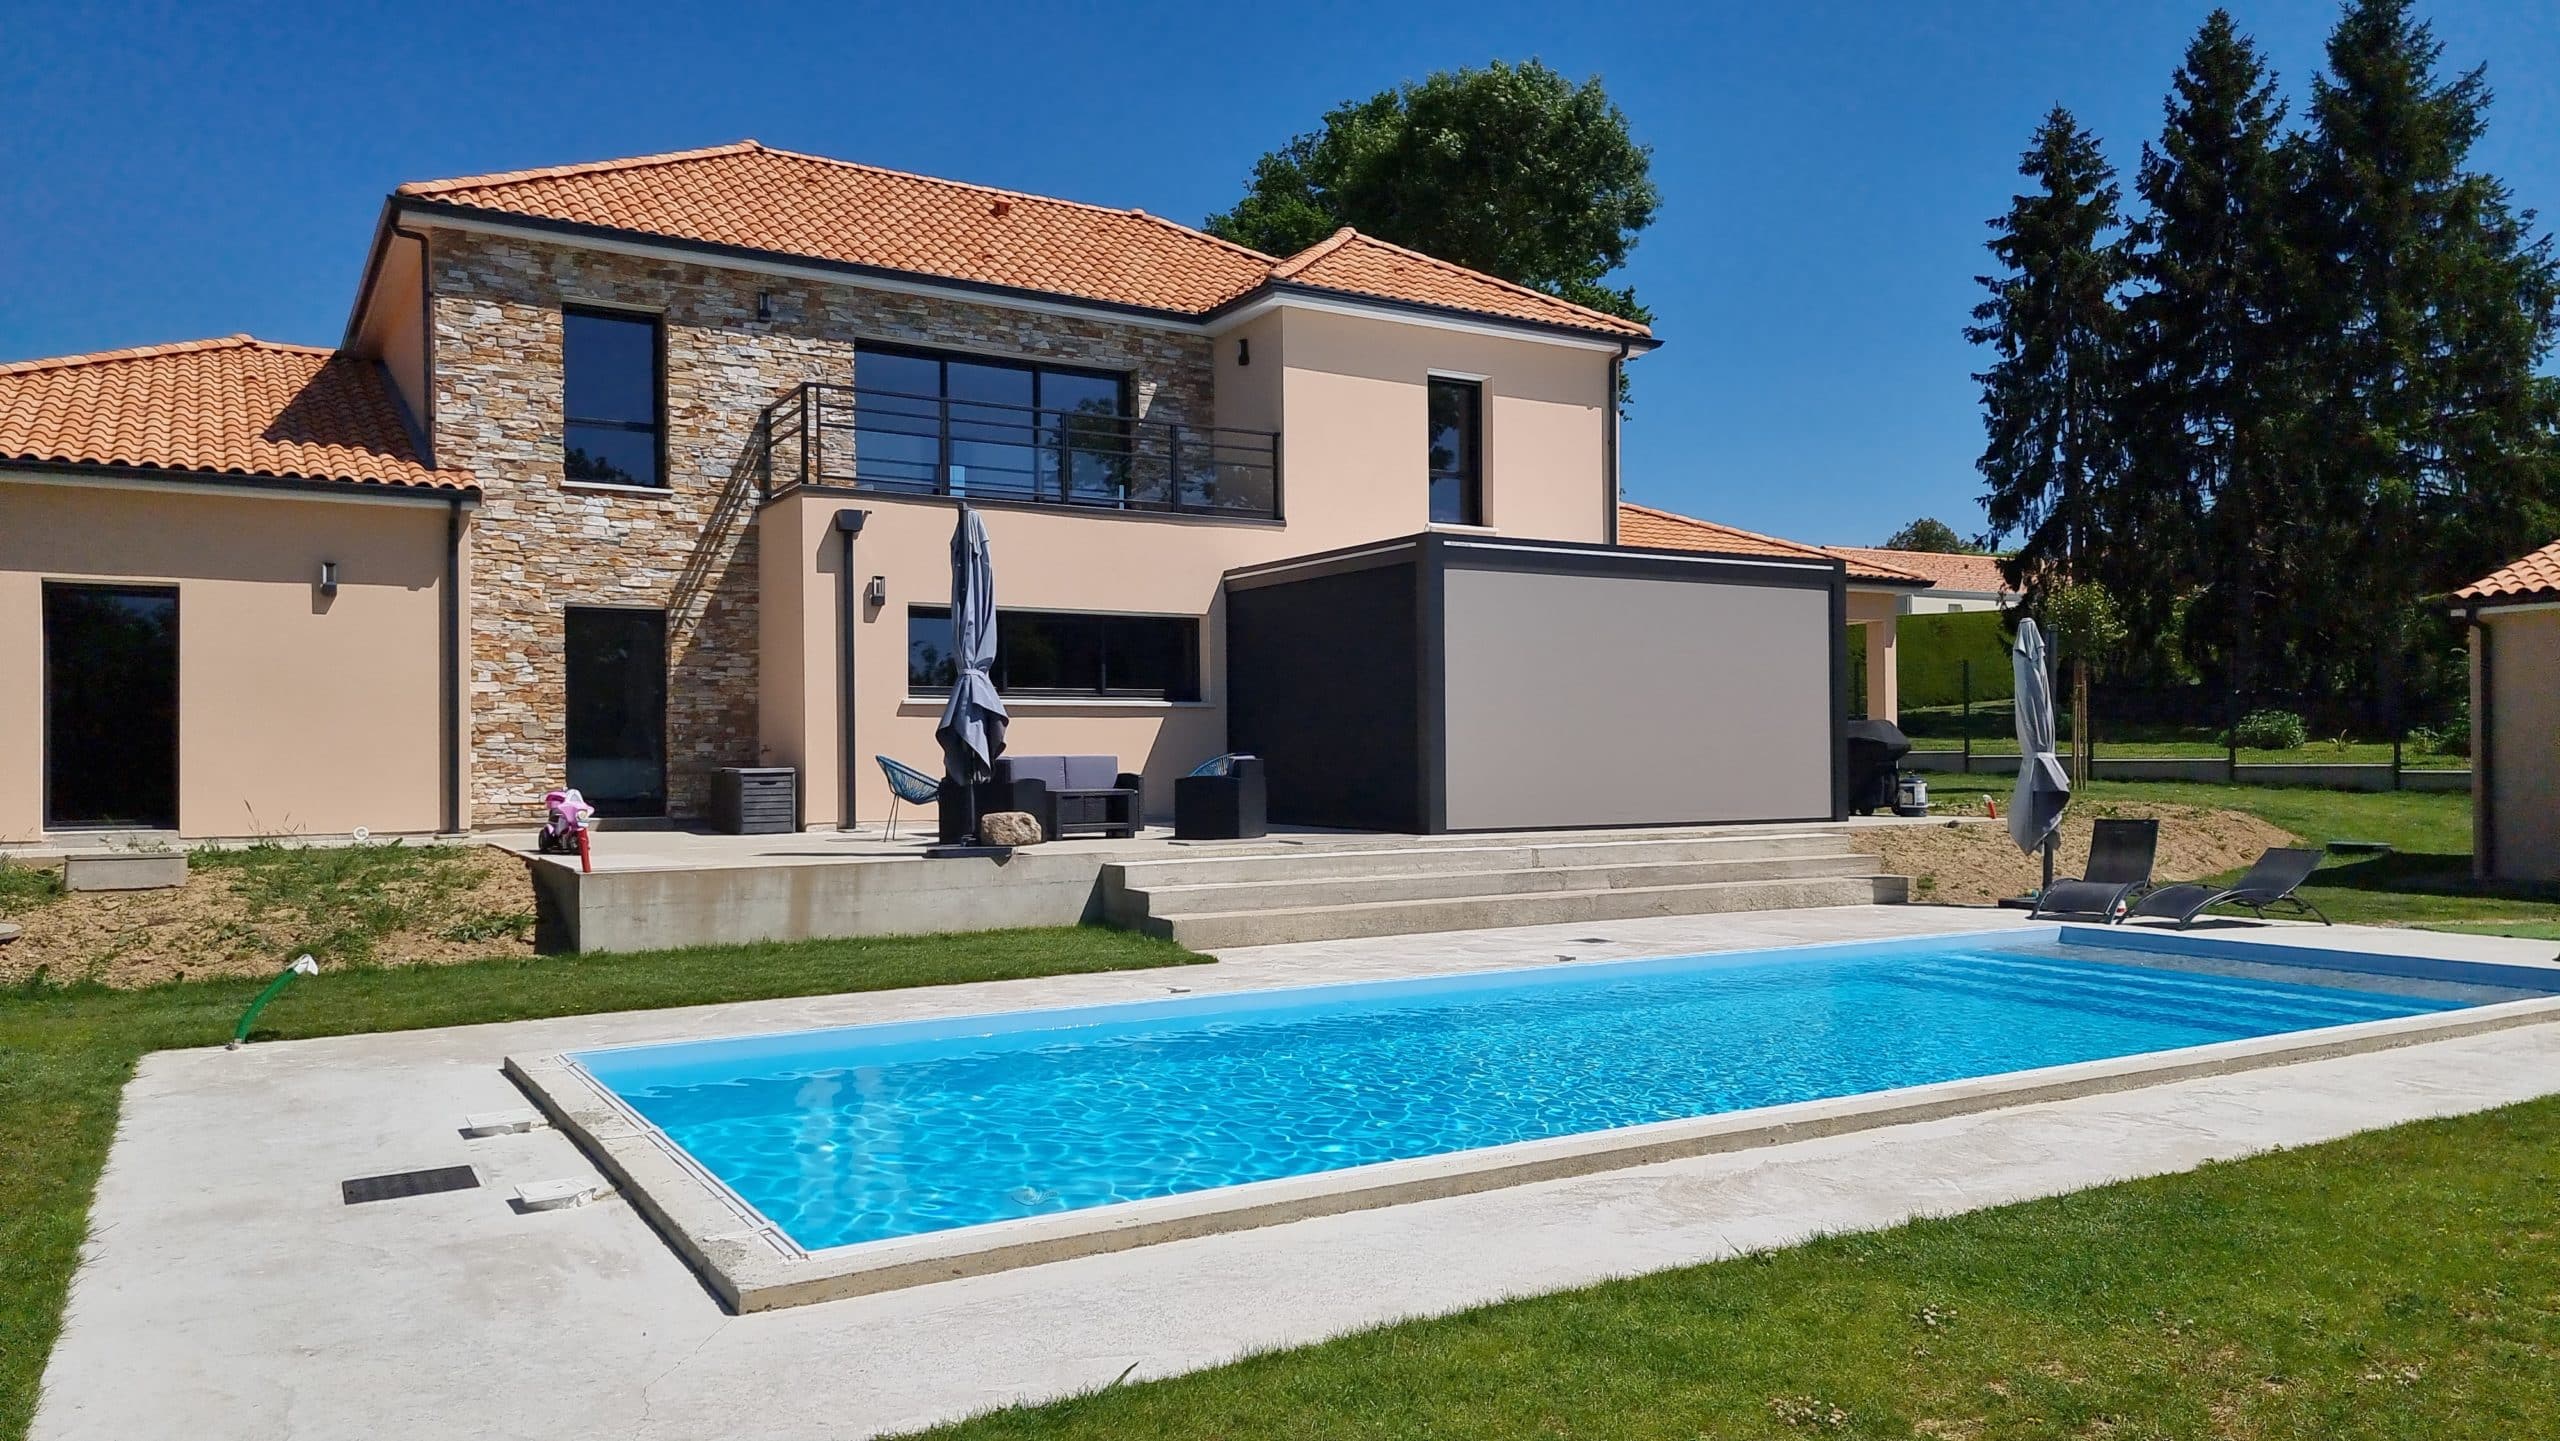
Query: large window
x=1007 y=430
x=612 y=376
x=1457 y=445
x=1061 y=653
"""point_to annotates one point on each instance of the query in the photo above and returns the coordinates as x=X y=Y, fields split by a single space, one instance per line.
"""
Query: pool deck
x=227 y=1291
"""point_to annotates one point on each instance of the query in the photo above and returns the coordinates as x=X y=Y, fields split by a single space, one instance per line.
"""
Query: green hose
x=302 y=966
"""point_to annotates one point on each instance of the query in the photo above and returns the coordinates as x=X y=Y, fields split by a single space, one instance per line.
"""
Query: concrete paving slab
x=227 y=1292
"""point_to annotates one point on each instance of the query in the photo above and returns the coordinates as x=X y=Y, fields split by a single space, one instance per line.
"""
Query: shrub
x=25 y=887
x=2271 y=730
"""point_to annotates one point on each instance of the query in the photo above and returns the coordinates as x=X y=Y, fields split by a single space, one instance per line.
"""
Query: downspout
x=449 y=685
x=2484 y=791
x=1609 y=444
x=848 y=601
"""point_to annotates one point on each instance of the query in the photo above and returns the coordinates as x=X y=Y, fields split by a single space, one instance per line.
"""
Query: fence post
x=1966 y=725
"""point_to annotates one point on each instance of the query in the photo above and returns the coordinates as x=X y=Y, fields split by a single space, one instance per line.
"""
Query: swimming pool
x=863 y=1134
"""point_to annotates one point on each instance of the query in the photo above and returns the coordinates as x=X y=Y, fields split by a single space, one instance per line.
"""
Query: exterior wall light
x=764 y=305
x=328 y=577
x=878 y=591
x=1244 y=351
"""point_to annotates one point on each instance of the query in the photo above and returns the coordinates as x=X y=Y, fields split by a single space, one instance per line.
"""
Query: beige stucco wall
x=297 y=715
x=1876 y=614
x=1355 y=418
x=2520 y=788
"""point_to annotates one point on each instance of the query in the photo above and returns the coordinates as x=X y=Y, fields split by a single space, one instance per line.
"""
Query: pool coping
x=751 y=1265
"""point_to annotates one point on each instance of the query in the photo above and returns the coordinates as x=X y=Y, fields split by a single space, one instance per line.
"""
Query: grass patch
x=66 y=1052
x=2425 y=881
x=24 y=887
x=2400 y=1284
x=340 y=902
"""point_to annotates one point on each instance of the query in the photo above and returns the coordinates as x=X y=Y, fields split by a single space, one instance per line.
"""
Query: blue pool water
x=863 y=1133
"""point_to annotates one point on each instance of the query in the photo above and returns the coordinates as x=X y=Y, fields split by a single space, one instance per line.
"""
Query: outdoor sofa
x=1068 y=795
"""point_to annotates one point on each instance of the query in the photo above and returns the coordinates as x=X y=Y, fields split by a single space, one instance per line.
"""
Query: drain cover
x=408 y=1183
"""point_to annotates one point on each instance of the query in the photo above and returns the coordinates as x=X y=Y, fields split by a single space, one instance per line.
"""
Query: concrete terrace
x=228 y=1293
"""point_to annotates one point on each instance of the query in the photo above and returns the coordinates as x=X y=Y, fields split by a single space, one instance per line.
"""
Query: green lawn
x=2424 y=881
x=65 y=1055
x=2403 y=1284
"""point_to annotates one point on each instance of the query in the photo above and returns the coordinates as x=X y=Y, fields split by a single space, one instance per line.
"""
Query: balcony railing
x=906 y=444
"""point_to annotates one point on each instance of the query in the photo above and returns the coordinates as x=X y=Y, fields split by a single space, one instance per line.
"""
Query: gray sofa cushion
x=1089 y=773
x=1052 y=769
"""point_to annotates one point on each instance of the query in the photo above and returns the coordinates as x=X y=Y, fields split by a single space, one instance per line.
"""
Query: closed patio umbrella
x=971 y=731
x=2035 y=807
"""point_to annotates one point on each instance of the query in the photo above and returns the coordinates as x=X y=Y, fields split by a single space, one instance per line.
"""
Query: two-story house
x=625 y=472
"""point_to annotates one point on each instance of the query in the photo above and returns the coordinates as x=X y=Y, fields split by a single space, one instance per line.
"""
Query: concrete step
x=1299 y=892
x=1225 y=867
x=1214 y=930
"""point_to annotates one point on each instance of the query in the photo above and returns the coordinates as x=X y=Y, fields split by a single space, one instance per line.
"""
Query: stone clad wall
x=539 y=546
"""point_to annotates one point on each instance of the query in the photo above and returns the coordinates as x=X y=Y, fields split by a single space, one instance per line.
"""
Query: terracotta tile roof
x=1358 y=264
x=1947 y=572
x=1644 y=526
x=234 y=406
x=757 y=198
x=2536 y=577
x=754 y=197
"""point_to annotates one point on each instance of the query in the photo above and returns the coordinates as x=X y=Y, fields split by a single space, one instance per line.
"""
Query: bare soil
x=250 y=915
x=1972 y=861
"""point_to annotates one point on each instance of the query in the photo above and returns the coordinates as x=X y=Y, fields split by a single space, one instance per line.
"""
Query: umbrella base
x=2017 y=903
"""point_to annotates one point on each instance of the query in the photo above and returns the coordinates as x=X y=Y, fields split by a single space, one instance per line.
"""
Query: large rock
x=1009 y=828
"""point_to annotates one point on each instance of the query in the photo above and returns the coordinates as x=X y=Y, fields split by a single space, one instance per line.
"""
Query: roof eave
x=244 y=480
x=1282 y=290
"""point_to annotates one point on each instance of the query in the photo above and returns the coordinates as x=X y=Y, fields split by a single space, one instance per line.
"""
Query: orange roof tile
x=754 y=197
x=2536 y=577
x=1979 y=573
x=234 y=406
x=1644 y=526
x=1359 y=264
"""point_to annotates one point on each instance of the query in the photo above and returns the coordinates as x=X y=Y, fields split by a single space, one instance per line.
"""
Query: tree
x=2435 y=305
x=1512 y=170
x=2214 y=335
x=2050 y=397
x=2083 y=621
x=1931 y=534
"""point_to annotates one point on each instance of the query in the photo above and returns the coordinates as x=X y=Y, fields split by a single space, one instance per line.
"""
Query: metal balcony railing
x=907 y=444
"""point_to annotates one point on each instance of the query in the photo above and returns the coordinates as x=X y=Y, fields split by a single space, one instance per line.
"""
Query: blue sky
x=176 y=171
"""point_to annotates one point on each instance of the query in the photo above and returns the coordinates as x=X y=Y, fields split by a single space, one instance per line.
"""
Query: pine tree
x=2216 y=332
x=2050 y=397
x=2436 y=303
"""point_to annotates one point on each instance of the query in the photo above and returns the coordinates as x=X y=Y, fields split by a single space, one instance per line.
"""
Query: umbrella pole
x=2048 y=863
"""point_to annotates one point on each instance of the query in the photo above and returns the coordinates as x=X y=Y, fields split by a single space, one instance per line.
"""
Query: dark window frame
x=1125 y=382
x=657 y=430
x=45 y=723
x=666 y=704
x=1191 y=694
x=1470 y=476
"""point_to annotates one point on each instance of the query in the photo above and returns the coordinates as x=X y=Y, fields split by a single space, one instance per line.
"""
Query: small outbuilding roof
x=228 y=407
x=2534 y=578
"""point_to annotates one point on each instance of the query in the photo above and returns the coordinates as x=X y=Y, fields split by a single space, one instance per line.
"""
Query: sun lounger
x=2120 y=854
x=2271 y=882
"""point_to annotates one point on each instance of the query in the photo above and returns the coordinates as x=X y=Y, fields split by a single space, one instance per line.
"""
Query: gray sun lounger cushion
x=2120 y=853
x=2270 y=882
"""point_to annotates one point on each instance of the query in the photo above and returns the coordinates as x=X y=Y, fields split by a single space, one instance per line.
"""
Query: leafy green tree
x=2215 y=332
x=1931 y=534
x=1512 y=170
x=2051 y=398
x=2087 y=627
x=2436 y=305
